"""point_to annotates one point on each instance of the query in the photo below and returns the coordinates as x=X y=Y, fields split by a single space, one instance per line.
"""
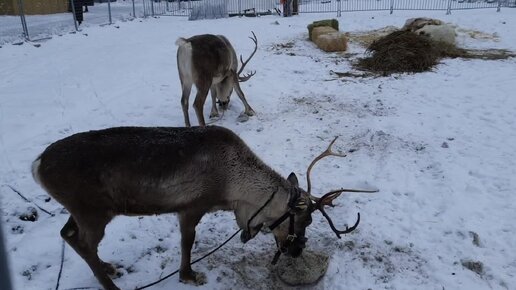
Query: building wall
x=6 y=7
x=32 y=7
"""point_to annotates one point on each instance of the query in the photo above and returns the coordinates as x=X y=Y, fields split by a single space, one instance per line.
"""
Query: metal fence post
x=152 y=7
x=74 y=17
x=499 y=6
x=23 y=20
x=134 y=10
x=239 y=7
x=109 y=11
x=448 y=11
x=339 y=8
x=392 y=7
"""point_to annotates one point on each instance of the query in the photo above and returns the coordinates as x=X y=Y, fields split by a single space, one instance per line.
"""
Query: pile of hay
x=400 y=51
x=405 y=51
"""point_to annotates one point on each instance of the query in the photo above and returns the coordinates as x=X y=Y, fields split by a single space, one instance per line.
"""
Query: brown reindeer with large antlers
x=136 y=171
x=210 y=62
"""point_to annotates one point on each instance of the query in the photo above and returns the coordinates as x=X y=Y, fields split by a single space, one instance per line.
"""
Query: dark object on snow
x=475 y=266
x=252 y=13
x=31 y=215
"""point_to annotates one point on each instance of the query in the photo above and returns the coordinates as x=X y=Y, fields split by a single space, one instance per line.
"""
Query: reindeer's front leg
x=247 y=108
x=187 y=223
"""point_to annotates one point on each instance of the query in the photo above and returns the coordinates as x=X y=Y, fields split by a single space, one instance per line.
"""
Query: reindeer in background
x=210 y=62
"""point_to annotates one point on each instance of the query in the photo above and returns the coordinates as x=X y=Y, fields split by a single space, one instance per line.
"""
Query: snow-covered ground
x=439 y=145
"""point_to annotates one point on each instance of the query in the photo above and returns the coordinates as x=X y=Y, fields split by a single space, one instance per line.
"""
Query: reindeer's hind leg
x=84 y=237
x=214 y=112
x=203 y=87
x=187 y=223
x=187 y=88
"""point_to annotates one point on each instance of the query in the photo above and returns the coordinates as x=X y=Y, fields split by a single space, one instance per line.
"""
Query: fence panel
x=233 y=7
x=420 y=5
x=365 y=5
x=11 y=29
x=239 y=7
x=474 y=4
x=167 y=7
x=318 y=6
x=43 y=20
x=110 y=12
x=33 y=21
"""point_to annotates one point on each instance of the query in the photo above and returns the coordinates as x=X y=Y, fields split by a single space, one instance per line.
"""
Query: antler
x=249 y=75
x=328 y=198
x=327 y=152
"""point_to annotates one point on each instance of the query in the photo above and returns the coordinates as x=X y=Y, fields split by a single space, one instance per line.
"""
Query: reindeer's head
x=289 y=230
x=225 y=87
x=224 y=90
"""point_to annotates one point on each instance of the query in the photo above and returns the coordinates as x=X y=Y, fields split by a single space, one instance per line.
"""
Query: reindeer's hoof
x=110 y=269
x=193 y=278
x=250 y=112
x=243 y=118
x=214 y=115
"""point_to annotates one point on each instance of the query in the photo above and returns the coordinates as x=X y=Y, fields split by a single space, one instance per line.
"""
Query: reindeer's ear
x=292 y=178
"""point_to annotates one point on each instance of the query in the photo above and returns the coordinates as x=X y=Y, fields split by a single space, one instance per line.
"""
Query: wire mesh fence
x=260 y=7
x=472 y=4
x=40 y=19
x=167 y=7
x=24 y=19
x=420 y=5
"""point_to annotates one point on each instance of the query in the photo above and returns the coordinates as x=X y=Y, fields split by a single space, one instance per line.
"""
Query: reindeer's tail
x=35 y=170
x=181 y=41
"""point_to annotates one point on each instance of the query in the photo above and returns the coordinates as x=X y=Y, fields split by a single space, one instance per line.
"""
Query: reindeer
x=191 y=171
x=210 y=62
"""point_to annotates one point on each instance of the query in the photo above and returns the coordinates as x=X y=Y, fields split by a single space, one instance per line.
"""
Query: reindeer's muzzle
x=223 y=104
x=294 y=248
